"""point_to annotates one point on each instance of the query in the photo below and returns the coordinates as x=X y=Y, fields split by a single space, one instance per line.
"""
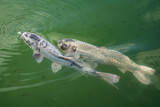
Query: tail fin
x=110 y=78
x=147 y=70
x=143 y=74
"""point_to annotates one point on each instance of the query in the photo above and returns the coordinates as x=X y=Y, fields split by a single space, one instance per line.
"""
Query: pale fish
x=43 y=48
x=93 y=54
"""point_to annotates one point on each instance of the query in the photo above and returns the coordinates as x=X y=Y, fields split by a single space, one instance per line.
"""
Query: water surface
x=131 y=27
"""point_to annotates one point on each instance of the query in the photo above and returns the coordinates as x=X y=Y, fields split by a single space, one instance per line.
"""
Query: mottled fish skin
x=100 y=55
x=106 y=56
x=48 y=50
x=42 y=46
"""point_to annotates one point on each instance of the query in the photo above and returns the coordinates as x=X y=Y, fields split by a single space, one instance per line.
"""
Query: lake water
x=130 y=26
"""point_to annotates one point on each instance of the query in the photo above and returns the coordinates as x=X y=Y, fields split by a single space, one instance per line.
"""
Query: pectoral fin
x=56 y=67
x=38 y=57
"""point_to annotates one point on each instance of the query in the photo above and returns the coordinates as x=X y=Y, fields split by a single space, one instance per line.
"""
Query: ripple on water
x=23 y=85
x=14 y=74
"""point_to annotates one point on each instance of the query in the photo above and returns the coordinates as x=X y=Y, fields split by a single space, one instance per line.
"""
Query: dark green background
x=132 y=26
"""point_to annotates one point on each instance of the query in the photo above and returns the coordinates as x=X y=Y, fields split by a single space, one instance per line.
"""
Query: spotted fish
x=94 y=54
x=43 y=48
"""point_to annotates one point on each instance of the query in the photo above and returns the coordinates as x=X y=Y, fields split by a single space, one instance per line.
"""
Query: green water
x=130 y=26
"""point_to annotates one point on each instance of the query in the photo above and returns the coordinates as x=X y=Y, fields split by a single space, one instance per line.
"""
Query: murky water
x=131 y=27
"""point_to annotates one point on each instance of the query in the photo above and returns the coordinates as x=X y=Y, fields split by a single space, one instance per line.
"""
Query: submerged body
x=88 y=52
x=43 y=48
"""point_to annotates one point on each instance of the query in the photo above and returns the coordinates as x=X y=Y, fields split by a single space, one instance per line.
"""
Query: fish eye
x=26 y=35
x=74 y=48
x=64 y=47
x=28 y=41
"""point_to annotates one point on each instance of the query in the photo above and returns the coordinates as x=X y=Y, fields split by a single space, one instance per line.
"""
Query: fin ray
x=38 y=57
x=143 y=74
x=110 y=78
x=56 y=67
x=142 y=77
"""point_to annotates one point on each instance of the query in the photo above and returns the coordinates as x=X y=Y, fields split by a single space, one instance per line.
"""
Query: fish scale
x=106 y=56
x=43 y=48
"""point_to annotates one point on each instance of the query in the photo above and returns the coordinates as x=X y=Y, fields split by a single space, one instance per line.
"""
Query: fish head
x=67 y=45
x=31 y=39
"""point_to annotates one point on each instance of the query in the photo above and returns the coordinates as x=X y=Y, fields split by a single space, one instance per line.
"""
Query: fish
x=93 y=55
x=43 y=48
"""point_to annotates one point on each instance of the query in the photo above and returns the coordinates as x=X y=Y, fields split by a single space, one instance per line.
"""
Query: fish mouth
x=27 y=42
x=59 y=42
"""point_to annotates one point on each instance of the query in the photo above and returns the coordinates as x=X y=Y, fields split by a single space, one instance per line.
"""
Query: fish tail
x=107 y=77
x=110 y=78
x=143 y=74
x=147 y=70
